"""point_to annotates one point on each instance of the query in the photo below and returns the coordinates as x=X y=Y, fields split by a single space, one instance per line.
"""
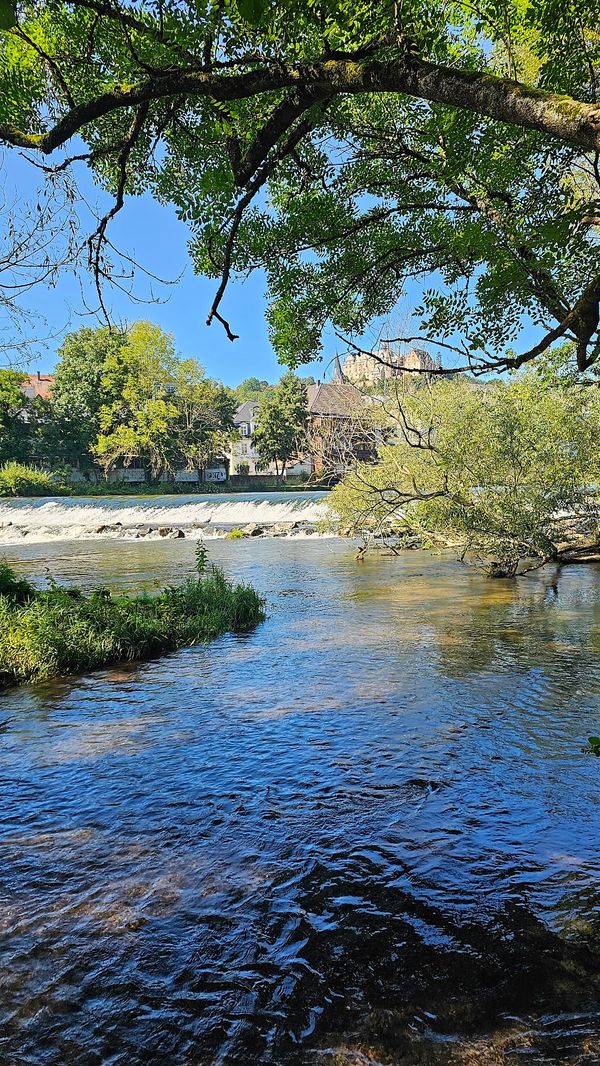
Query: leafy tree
x=161 y=409
x=424 y=193
x=558 y=368
x=14 y=427
x=135 y=423
x=491 y=470
x=390 y=140
x=69 y=428
x=204 y=422
x=280 y=421
x=16 y=479
x=252 y=389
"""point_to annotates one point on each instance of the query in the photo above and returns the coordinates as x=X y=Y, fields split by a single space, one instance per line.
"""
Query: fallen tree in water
x=57 y=631
x=506 y=474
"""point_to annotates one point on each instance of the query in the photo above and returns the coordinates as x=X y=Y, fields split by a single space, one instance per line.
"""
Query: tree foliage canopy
x=158 y=407
x=494 y=470
x=281 y=417
x=77 y=393
x=14 y=430
x=344 y=146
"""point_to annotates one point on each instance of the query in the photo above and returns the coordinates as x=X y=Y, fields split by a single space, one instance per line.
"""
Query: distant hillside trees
x=252 y=389
x=256 y=388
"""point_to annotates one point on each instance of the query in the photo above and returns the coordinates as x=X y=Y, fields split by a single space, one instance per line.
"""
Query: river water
x=365 y=833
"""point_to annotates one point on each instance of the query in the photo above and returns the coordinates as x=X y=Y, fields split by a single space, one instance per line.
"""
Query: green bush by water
x=63 y=631
x=19 y=480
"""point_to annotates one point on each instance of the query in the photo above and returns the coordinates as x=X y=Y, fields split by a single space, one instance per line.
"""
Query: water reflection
x=365 y=833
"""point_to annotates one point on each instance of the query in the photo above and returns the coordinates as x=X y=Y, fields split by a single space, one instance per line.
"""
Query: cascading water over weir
x=196 y=515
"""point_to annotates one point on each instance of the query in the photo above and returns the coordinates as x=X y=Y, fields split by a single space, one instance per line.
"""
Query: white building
x=243 y=457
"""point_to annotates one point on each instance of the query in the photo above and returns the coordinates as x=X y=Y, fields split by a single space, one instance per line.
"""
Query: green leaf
x=8 y=15
x=252 y=11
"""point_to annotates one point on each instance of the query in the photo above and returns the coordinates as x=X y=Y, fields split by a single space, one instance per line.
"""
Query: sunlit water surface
x=366 y=832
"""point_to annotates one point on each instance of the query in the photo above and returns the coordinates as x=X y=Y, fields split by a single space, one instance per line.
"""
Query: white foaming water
x=50 y=518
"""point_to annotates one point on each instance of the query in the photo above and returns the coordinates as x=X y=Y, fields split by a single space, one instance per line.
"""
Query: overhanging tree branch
x=97 y=240
x=504 y=99
x=581 y=322
x=286 y=146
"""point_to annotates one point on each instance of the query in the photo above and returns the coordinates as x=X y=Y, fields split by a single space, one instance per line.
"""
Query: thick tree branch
x=281 y=120
x=572 y=121
x=290 y=142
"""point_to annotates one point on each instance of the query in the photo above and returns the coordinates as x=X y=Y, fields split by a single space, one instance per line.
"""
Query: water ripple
x=365 y=833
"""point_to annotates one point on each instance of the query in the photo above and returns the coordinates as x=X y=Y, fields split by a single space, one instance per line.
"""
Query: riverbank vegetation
x=57 y=631
x=505 y=473
x=123 y=397
x=19 y=479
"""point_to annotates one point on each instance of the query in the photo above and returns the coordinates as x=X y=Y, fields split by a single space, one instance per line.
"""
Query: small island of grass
x=57 y=631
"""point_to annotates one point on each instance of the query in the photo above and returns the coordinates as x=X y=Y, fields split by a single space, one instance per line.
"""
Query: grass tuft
x=62 y=631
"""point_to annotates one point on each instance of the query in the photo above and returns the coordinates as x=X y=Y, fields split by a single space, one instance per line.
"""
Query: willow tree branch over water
x=342 y=146
x=504 y=473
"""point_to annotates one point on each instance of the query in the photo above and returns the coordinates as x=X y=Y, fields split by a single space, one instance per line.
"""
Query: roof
x=334 y=398
x=38 y=385
x=245 y=412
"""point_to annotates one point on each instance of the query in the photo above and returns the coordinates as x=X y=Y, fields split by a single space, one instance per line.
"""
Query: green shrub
x=62 y=631
x=19 y=480
x=235 y=534
x=16 y=590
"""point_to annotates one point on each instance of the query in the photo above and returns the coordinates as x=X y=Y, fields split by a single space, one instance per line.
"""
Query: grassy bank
x=203 y=488
x=63 y=631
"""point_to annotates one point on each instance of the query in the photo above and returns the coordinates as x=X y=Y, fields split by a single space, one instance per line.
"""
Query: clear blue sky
x=152 y=235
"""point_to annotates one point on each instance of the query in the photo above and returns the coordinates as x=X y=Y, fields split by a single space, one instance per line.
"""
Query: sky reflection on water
x=369 y=824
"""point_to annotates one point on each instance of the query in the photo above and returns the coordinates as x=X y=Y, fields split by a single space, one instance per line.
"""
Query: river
x=365 y=833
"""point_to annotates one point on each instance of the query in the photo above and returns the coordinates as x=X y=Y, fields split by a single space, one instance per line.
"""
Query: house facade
x=339 y=431
x=243 y=457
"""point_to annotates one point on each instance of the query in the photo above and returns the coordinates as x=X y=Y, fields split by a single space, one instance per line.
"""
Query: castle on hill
x=372 y=368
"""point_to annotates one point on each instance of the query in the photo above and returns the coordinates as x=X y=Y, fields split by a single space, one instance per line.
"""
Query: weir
x=75 y=516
